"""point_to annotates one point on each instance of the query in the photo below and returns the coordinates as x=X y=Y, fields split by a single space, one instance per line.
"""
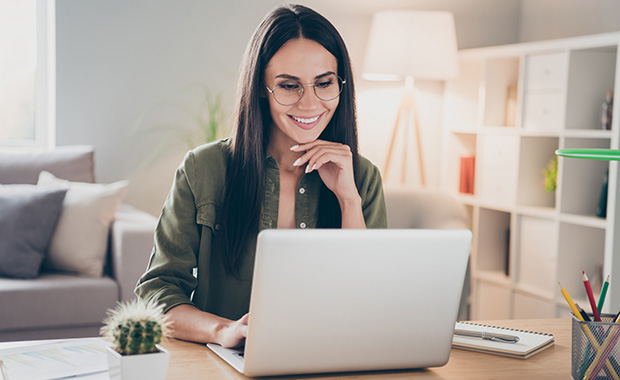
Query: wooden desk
x=190 y=361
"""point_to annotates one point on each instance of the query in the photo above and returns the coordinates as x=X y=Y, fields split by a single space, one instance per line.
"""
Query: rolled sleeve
x=169 y=278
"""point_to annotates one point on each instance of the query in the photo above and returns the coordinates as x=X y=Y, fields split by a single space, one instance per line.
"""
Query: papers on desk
x=76 y=358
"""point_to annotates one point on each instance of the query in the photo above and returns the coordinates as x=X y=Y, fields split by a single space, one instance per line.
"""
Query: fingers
x=243 y=331
x=235 y=333
x=318 y=153
x=243 y=325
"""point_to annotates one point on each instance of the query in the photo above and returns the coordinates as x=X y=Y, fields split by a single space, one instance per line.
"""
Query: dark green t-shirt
x=185 y=267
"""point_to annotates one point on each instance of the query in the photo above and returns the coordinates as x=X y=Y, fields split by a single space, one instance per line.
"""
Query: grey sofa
x=63 y=305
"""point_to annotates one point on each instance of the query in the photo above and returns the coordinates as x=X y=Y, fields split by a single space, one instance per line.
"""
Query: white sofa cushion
x=80 y=242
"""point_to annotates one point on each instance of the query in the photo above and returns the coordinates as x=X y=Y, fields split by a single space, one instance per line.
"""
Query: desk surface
x=190 y=361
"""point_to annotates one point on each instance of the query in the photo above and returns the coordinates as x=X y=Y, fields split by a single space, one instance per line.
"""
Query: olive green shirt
x=185 y=267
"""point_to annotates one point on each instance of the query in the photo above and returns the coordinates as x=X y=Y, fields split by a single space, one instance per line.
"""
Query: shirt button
x=217 y=226
x=302 y=190
x=302 y=225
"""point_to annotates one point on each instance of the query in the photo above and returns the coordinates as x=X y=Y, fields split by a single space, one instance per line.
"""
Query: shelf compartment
x=460 y=145
x=543 y=111
x=536 y=247
x=591 y=74
x=493 y=251
x=496 y=277
x=491 y=301
x=541 y=212
x=581 y=180
x=469 y=209
x=580 y=248
x=498 y=159
x=544 y=98
x=461 y=99
x=500 y=91
x=587 y=221
x=536 y=153
x=528 y=306
x=589 y=133
x=545 y=72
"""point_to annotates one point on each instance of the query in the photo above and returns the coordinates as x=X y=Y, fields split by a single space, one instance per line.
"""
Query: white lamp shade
x=420 y=44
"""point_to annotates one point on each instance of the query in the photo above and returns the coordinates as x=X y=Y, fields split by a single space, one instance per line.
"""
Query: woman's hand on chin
x=334 y=163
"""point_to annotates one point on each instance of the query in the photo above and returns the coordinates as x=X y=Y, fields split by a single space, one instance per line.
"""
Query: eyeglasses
x=290 y=91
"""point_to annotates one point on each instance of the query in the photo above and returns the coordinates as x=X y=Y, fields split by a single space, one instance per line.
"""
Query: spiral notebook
x=530 y=342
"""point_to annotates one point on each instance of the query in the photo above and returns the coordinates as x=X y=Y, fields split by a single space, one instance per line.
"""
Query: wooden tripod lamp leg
x=391 y=149
x=407 y=105
x=419 y=141
x=403 y=169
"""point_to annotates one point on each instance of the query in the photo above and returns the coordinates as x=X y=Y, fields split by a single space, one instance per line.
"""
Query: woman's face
x=307 y=62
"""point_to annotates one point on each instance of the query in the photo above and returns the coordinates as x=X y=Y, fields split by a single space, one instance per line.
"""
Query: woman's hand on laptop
x=234 y=334
x=195 y=325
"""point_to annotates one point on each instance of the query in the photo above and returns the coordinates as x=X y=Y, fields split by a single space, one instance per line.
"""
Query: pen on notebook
x=586 y=283
x=488 y=336
x=601 y=298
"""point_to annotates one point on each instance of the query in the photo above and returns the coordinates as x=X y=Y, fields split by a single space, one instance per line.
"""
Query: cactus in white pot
x=136 y=328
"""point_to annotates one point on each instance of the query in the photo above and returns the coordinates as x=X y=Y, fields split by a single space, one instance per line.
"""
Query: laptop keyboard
x=240 y=355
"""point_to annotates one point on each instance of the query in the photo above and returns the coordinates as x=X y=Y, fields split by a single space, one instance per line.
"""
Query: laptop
x=343 y=300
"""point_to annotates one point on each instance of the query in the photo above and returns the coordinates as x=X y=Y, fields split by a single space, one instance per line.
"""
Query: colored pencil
x=586 y=283
x=586 y=330
x=602 y=354
x=601 y=298
x=570 y=302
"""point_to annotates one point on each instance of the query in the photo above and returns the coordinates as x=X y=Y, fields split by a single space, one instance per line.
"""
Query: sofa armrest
x=130 y=248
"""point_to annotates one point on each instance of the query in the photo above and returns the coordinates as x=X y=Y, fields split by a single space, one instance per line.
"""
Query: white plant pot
x=153 y=366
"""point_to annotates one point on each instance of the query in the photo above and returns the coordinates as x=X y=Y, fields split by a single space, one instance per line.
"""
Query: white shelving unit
x=511 y=108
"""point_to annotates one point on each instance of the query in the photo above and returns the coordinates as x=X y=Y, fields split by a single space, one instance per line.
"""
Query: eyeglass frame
x=303 y=90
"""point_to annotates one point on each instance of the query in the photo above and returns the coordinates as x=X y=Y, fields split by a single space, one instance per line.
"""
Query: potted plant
x=136 y=328
x=550 y=175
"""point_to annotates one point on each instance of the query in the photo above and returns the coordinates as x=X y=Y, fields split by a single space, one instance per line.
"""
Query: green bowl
x=590 y=154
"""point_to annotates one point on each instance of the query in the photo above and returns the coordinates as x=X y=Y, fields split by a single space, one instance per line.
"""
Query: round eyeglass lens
x=290 y=91
x=328 y=87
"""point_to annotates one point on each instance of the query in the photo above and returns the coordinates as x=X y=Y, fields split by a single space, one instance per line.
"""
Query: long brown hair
x=245 y=182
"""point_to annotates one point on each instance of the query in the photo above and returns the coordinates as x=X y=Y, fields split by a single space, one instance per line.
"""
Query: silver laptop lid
x=354 y=300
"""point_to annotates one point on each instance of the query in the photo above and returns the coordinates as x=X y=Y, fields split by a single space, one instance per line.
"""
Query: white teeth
x=306 y=121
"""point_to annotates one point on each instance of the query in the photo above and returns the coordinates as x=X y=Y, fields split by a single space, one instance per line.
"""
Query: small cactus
x=136 y=327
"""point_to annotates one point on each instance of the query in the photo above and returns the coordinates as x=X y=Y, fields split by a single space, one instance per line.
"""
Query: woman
x=292 y=163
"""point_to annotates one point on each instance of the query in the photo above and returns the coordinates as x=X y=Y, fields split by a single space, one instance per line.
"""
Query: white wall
x=549 y=19
x=123 y=67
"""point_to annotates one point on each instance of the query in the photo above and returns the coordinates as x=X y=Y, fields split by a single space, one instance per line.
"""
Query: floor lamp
x=410 y=45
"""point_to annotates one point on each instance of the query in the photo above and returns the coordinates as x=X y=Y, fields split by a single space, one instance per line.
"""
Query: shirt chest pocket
x=207 y=216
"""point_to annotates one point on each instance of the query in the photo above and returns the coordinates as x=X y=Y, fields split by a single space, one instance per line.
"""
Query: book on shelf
x=529 y=342
x=467 y=174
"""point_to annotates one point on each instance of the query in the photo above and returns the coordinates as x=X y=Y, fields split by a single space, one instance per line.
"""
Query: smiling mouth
x=305 y=121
